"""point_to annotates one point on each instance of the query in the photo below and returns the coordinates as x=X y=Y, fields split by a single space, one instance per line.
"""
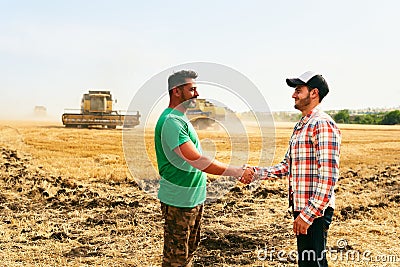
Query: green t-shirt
x=181 y=185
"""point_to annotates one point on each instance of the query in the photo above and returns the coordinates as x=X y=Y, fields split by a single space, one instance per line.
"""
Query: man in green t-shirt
x=183 y=169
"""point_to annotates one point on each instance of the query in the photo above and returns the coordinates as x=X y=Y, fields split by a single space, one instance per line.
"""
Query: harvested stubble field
x=67 y=199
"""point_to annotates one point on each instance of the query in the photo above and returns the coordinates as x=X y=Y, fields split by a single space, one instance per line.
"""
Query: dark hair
x=179 y=78
x=318 y=82
x=321 y=95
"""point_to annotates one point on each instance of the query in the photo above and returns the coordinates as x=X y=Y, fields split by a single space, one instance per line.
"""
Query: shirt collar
x=304 y=120
x=175 y=111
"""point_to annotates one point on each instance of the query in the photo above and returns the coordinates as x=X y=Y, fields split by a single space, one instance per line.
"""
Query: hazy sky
x=51 y=52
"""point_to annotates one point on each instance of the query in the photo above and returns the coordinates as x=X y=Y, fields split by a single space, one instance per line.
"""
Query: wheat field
x=68 y=199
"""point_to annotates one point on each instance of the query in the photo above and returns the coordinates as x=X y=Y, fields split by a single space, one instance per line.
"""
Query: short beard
x=303 y=103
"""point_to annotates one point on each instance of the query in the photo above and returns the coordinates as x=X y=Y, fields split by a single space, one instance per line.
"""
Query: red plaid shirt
x=311 y=164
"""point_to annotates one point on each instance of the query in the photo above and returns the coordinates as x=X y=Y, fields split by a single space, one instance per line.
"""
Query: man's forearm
x=215 y=167
x=279 y=170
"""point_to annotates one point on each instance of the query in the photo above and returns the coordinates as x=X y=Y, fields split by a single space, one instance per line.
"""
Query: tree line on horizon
x=345 y=116
x=381 y=118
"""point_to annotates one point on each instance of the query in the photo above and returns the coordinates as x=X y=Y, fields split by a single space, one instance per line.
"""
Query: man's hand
x=300 y=226
x=247 y=176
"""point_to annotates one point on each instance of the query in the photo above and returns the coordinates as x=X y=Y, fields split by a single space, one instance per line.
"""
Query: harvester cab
x=97 y=102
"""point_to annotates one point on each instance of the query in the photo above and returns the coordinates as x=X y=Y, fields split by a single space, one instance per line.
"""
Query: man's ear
x=315 y=93
x=175 y=91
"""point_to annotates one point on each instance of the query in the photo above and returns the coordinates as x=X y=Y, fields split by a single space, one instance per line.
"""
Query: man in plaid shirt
x=312 y=167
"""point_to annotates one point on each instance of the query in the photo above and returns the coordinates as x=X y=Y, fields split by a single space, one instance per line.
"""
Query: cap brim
x=294 y=82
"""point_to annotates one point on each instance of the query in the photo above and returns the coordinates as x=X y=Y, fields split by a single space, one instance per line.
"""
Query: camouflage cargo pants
x=181 y=234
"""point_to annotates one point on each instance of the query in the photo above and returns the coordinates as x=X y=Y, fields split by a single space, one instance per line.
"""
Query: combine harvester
x=97 y=111
x=205 y=114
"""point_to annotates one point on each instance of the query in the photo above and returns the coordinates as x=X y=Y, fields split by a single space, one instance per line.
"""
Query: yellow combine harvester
x=205 y=114
x=97 y=110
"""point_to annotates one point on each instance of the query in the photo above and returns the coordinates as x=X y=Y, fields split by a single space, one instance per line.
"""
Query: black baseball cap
x=311 y=79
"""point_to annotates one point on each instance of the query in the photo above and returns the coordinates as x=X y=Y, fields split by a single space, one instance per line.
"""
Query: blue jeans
x=312 y=246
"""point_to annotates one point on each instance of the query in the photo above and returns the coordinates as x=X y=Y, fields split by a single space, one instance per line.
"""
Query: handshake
x=249 y=174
